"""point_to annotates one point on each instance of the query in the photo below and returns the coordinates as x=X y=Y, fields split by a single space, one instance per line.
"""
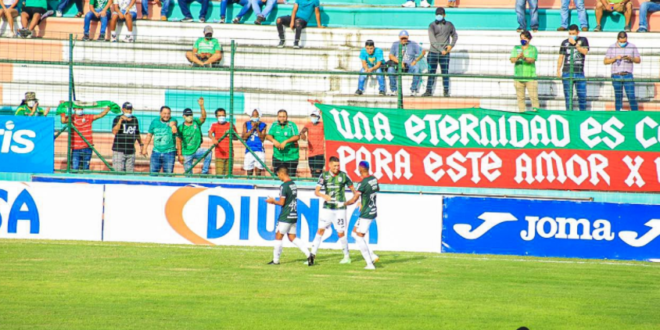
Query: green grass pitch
x=81 y=285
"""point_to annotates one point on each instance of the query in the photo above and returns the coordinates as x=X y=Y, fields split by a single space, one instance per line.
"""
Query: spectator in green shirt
x=31 y=16
x=163 y=131
x=30 y=106
x=524 y=59
x=284 y=135
x=189 y=139
x=206 y=51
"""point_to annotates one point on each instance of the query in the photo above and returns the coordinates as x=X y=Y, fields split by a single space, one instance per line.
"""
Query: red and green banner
x=566 y=150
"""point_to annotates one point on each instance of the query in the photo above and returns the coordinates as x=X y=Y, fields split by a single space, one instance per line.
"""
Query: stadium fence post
x=399 y=79
x=70 y=109
x=231 y=110
x=571 y=80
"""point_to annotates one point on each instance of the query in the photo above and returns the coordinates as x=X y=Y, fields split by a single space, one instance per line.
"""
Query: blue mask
x=254 y=119
x=128 y=115
x=574 y=37
x=623 y=44
x=439 y=18
x=523 y=42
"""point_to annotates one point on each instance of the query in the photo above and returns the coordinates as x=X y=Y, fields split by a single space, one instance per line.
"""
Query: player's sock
x=364 y=248
x=344 y=246
x=297 y=242
x=317 y=243
x=277 y=250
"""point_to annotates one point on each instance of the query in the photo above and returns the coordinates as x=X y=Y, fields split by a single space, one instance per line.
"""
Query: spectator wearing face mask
x=622 y=56
x=313 y=133
x=206 y=51
x=523 y=57
x=254 y=134
x=284 y=135
x=217 y=131
x=163 y=131
x=189 y=139
x=127 y=131
x=81 y=152
x=443 y=37
x=30 y=107
x=570 y=64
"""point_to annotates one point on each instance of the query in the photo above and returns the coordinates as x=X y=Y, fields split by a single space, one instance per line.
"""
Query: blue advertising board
x=545 y=228
x=27 y=144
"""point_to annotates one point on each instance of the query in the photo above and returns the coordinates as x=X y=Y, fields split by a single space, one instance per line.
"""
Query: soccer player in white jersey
x=367 y=191
x=333 y=183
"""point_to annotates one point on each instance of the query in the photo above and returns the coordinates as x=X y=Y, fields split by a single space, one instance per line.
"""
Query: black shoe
x=445 y=93
x=519 y=30
x=202 y=20
x=627 y=28
x=237 y=20
x=281 y=44
x=358 y=92
x=427 y=94
x=85 y=37
x=310 y=260
x=186 y=19
x=382 y=93
x=597 y=28
x=259 y=20
x=296 y=45
x=273 y=263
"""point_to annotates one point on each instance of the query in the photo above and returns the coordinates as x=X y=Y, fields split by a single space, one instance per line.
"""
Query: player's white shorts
x=362 y=225
x=336 y=217
x=286 y=228
x=250 y=162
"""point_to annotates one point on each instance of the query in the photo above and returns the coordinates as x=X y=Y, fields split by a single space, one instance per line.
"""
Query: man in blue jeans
x=622 y=56
x=443 y=37
x=533 y=12
x=411 y=53
x=582 y=14
x=237 y=20
x=262 y=15
x=99 y=10
x=372 y=59
x=163 y=131
x=187 y=15
x=573 y=52
x=646 y=9
x=165 y=6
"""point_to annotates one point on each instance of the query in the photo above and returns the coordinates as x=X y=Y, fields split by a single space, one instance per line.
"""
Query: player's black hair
x=334 y=159
x=369 y=43
x=281 y=168
x=573 y=27
x=220 y=110
x=165 y=107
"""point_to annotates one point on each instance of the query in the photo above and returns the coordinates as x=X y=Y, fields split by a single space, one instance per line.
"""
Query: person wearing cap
x=440 y=32
x=81 y=151
x=126 y=129
x=9 y=11
x=624 y=7
x=523 y=57
x=284 y=135
x=123 y=11
x=163 y=131
x=300 y=16
x=206 y=51
x=411 y=54
x=372 y=61
x=313 y=133
x=187 y=15
x=647 y=8
x=533 y=12
x=582 y=15
x=367 y=192
x=30 y=107
x=99 y=10
x=189 y=139
x=623 y=56
x=573 y=52
x=217 y=131
x=254 y=135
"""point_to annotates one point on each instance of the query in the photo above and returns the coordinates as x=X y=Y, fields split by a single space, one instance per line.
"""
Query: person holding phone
x=623 y=56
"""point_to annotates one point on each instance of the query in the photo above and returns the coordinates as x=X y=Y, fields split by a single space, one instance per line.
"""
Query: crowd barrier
x=406 y=222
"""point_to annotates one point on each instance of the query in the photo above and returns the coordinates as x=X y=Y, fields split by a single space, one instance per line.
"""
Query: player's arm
x=354 y=199
x=273 y=201
x=319 y=194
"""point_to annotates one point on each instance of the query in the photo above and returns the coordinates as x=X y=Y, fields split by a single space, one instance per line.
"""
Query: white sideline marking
x=254 y=249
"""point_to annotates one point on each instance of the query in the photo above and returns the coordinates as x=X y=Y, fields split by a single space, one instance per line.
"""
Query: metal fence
x=256 y=74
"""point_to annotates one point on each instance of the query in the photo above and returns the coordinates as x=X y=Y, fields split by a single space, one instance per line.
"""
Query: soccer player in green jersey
x=334 y=183
x=288 y=217
x=367 y=191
